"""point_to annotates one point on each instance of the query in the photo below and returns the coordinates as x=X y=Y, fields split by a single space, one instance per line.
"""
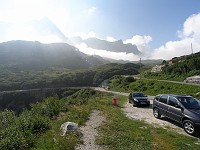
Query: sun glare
x=27 y=10
x=22 y=13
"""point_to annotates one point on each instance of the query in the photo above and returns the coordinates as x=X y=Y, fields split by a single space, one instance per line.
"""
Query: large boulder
x=68 y=127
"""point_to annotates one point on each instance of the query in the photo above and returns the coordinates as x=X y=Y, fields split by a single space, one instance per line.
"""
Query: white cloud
x=110 y=39
x=173 y=49
x=142 y=43
x=139 y=40
x=28 y=32
x=191 y=26
x=84 y=36
x=90 y=10
x=189 y=34
x=103 y=53
x=21 y=12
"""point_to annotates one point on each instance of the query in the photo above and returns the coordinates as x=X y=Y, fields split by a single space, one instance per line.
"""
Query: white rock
x=68 y=127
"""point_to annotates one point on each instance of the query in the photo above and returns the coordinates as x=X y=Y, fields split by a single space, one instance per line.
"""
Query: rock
x=68 y=127
x=157 y=68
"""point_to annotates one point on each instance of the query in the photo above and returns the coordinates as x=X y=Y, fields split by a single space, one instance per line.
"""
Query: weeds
x=34 y=129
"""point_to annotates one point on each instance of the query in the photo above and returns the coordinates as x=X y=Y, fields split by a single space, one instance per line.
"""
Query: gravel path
x=89 y=131
x=146 y=114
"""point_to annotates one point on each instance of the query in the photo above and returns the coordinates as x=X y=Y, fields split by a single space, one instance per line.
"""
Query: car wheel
x=156 y=113
x=189 y=127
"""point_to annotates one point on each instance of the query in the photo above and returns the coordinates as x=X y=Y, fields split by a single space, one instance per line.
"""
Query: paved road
x=169 y=81
x=118 y=93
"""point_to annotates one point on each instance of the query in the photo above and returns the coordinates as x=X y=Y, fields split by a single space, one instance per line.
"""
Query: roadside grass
x=163 y=76
x=119 y=132
x=116 y=133
x=152 y=87
x=52 y=140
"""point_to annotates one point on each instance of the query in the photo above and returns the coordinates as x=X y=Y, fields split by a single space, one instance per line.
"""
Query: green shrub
x=6 y=118
x=130 y=79
x=51 y=106
x=36 y=123
x=12 y=138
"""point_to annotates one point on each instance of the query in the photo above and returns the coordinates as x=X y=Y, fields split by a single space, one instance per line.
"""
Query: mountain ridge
x=36 y=55
x=99 y=44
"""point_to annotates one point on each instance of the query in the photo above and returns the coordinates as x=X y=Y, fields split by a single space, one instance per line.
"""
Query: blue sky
x=123 y=19
x=157 y=27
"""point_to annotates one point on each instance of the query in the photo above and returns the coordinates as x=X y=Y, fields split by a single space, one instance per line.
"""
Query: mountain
x=35 y=55
x=144 y=62
x=116 y=46
x=95 y=60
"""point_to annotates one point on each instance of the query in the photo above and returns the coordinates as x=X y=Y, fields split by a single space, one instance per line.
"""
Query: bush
x=130 y=79
x=6 y=118
x=36 y=123
x=12 y=138
x=51 y=107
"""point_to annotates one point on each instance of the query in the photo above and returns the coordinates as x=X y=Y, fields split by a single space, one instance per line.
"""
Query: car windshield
x=189 y=102
x=138 y=95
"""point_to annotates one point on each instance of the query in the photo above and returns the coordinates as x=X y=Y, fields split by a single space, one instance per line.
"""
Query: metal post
x=140 y=67
x=191 y=49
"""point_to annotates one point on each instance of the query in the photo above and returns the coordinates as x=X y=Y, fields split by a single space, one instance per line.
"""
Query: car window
x=189 y=102
x=163 y=99
x=157 y=97
x=138 y=95
x=172 y=101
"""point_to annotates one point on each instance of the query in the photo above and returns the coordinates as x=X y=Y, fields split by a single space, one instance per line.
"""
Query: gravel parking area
x=146 y=114
x=135 y=113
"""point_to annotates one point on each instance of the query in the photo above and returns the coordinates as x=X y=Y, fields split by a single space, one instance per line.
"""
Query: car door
x=174 y=112
x=162 y=105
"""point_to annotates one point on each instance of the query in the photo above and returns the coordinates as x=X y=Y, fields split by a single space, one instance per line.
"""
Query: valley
x=63 y=84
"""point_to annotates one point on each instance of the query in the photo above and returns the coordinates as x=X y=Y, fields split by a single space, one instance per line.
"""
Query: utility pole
x=140 y=67
x=191 y=49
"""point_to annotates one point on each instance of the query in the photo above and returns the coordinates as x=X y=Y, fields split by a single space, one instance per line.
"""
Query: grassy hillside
x=151 y=87
x=39 y=127
x=62 y=77
x=178 y=68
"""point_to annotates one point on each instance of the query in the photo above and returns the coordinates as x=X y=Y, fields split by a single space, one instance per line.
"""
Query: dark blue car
x=180 y=108
x=138 y=99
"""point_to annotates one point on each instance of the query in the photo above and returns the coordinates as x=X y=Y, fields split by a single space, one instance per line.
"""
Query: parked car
x=180 y=108
x=138 y=99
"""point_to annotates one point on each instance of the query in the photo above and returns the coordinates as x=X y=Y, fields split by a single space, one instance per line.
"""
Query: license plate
x=142 y=103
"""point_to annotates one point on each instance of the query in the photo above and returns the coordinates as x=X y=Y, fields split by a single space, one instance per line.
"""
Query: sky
x=161 y=29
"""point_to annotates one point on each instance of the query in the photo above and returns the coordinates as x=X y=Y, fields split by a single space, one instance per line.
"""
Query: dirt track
x=89 y=131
